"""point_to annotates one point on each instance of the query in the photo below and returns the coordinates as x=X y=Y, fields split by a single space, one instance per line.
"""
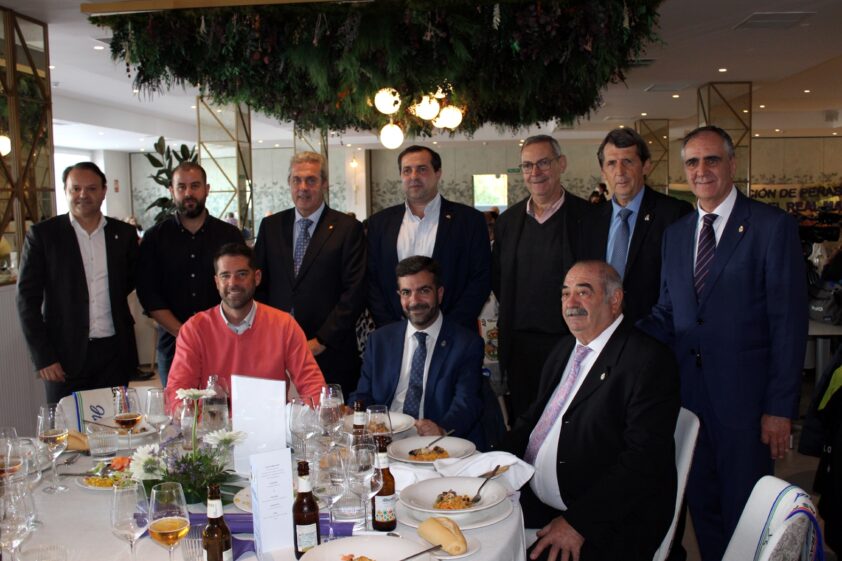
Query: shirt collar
x=75 y=223
x=247 y=322
x=634 y=204
x=601 y=340
x=314 y=217
x=551 y=209
x=432 y=209
x=724 y=209
x=177 y=216
x=432 y=330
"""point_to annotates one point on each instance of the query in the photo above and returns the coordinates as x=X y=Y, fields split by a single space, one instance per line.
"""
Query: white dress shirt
x=248 y=321
x=312 y=229
x=410 y=343
x=545 y=483
x=92 y=248
x=722 y=212
x=417 y=236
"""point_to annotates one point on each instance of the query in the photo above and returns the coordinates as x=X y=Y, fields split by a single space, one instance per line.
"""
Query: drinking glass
x=10 y=455
x=168 y=519
x=45 y=553
x=129 y=512
x=156 y=411
x=365 y=481
x=52 y=431
x=14 y=517
x=331 y=408
x=303 y=423
x=379 y=424
x=183 y=413
x=330 y=479
x=127 y=412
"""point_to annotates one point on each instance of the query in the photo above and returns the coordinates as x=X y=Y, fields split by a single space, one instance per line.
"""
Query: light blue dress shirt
x=633 y=206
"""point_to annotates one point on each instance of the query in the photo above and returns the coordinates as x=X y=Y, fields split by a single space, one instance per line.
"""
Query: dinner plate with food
x=467 y=521
x=452 y=495
x=105 y=474
x=367 y=548
x=400 y=423
x=242 y=499
x=416 y=449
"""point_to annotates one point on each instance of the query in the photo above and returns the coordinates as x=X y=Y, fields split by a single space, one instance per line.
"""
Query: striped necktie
x=707 y=248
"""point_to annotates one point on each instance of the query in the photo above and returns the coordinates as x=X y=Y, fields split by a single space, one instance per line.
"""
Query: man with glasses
x=533 y=250
x=436 y=377
x=453 y=234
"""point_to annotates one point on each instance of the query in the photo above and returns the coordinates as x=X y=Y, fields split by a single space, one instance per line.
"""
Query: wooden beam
x=135 y=6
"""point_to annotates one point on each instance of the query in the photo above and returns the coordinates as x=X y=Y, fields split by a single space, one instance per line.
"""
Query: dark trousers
x=104 y=367
x=529 y=351
x=164 y=354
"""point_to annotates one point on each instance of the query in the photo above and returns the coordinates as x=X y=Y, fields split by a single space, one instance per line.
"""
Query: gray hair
x=727 y=141
x=539 y=138
x=309 y=158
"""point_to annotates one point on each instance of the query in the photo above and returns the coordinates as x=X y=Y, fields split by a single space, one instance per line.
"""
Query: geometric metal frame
x=728 y=105
x=655 y=132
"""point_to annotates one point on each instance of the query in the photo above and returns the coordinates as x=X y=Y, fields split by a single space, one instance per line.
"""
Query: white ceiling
x=95 y=108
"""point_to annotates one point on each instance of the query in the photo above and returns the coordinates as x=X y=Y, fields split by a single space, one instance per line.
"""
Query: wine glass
x=365 y=481
x=331 y=408
x=379 y=424
x=156 y=411
x=127 y=412
x=168 y=519
x=303 y=422
x=52 y=431
x=14 y=517
x=30 y=474
x=10 y=455
x=330 y=479
x=129 y=512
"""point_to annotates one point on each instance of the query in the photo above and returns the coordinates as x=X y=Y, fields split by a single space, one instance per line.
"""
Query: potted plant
x=165 y=160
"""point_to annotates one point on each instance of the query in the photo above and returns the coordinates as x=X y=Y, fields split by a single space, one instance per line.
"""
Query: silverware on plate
x=414 y=555
x=476 y=498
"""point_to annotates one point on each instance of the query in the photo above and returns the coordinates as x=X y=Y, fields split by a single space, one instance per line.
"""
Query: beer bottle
x=216 y=537
x=383 y=503
x=305 y=514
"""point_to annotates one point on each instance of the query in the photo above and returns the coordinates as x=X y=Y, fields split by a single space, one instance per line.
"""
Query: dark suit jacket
x=462 y=250
x=328 y=294
x=616 y=451
x=53 y=293
x=452 y=397
x=507 y=234
x=642 y=277
x=741 y=344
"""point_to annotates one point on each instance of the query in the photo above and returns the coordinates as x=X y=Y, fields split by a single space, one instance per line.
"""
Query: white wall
x=117 y=169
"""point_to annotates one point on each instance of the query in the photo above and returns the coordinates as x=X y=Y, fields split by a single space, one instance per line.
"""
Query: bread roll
x=77 y=441
x=444 y=532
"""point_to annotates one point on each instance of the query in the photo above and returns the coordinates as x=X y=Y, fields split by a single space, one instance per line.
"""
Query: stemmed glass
x=129 y=512
x=52 y=431
x=156 y=411
x=303 y=423
x=127 y=412
x=379 y=424
x=365 y=481
x=169 y=522
x=10 y=456
x=331 y=410
x=14 y=517
x=30 y=475
x=330 y=479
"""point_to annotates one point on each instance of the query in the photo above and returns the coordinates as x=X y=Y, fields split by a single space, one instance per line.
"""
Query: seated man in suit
x=600 y=433
x=436 y=376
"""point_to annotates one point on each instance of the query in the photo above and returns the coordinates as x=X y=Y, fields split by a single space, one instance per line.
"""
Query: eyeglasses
x=542 y=165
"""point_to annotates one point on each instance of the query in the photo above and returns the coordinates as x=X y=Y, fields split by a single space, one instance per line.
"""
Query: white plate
x=400 y=422
x=456 y=447
x=421 y=496
x=242 y=499
x=381 y=548
x=80 y=481
x=487 y=517
x=474 y=545
x=138 y=439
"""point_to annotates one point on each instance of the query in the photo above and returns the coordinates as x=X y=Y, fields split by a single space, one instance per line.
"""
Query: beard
x=195 y=212
x=421 y=315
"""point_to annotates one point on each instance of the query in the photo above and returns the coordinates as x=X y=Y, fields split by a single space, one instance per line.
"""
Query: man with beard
x=241 y=336
x=436 y=378
x=176 y=260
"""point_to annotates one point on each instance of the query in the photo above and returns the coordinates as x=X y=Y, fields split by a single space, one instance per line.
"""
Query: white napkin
x=405 y=474
x=518 y=474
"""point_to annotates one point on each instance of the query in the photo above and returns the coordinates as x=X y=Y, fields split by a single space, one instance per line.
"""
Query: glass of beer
x=168 y=518
x=10 y=456
x=127 y=412
x=52 y=431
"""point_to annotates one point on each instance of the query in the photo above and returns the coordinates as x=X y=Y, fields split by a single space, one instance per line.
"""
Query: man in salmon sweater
x=242 y=336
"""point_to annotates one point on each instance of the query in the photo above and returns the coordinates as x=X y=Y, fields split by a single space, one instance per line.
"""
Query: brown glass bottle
x=216 y=537
x=383 y=517
x=305 y=514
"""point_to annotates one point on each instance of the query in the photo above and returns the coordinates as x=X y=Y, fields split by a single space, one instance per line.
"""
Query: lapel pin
x=116 y=237
x=740 y=230
x=444 y=343
x=447 y=216
x=330 y=227
x=602 y=376
x=646 y=218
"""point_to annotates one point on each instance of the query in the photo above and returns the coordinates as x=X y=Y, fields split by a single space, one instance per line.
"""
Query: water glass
x=103 y=441
x=156 y=410
x=10 y=458
x=365 y=481
x=330 y=479
x=129 y=512
x=303 y=423
x=44 y=553
x=331 y=408
x=15 y=516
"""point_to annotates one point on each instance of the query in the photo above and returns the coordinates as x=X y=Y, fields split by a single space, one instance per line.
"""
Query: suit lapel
x=324 y=229
x=600 y=372
x=68 y=241
x=732 y=235
x=394 y=361
x=443 y=233
x=685 y=257
x=286 y=236
x=440 y=352
x=642 y=223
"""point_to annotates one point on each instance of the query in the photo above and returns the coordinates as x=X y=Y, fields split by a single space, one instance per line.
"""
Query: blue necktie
x=412 y=402
x=707 y=248
x=619 y=253
x=301 y=243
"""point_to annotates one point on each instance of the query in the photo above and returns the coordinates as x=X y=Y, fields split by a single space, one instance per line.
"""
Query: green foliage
x=166 y=160
x=320 y=64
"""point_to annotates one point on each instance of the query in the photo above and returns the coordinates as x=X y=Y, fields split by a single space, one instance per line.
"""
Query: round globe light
x=450 y=117
x=387 y=101
x=5 y=145
x=391 y=136
x=427 y=108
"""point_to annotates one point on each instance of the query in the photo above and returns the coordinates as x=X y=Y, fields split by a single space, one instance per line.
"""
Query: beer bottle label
x=227 y=555
x=384 y=508
x=214 y=508
x=307 y=535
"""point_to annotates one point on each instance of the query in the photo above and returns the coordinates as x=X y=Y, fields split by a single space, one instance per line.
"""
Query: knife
x=414 y=555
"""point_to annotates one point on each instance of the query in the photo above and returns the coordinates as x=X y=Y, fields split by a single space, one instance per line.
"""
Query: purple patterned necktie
x=554 y=406
x=301 y=243
x=707 y=248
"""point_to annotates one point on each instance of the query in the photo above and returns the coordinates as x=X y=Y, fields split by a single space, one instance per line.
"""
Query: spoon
x=476 y=498
x=429 y=445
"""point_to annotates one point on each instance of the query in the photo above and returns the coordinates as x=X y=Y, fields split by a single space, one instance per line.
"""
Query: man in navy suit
x=733 y=306
x=453 y=234
x=436 y=377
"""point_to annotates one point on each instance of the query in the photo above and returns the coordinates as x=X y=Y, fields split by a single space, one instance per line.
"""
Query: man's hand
x=774 y=431
x=561 y=537
x=426 y=427
x=52 y=373
x=315 y=347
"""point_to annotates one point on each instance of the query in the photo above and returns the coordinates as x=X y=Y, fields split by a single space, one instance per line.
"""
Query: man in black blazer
x=600 y=433
x=627 y=233
x=427 y=224
x=313 y=263
x=77 y=271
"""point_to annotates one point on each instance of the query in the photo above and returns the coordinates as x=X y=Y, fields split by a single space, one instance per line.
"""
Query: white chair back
x=778 y=523
x=93 y=405
x=686 y=433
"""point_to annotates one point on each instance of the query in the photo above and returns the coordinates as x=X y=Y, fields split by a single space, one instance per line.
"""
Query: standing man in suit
x=453 y=234
x=628 y=232
x=313 y=263
x=600 y=433
x=175 y=278
x=534 y=243
x=76 y=274
x=436 y=378
x=733 y=307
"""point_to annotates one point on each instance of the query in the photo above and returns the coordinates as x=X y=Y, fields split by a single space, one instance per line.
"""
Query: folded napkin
x=77 y=441
x=514 y=478
x=405 y=474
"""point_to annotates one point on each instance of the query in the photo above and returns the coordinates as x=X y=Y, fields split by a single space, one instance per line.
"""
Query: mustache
x=575 y=312
x=418 y=307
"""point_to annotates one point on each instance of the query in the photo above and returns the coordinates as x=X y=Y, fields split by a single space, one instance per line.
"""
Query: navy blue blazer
x=452 y=397
x=462 y=250
x=740 y=345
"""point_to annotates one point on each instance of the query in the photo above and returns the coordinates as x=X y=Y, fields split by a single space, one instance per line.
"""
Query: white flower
x=225 y=438
x=147 y=463
x=191 y=393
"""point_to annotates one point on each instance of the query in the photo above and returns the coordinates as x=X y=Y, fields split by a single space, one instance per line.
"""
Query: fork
x=192 y=550
x=476 y=498
x=70 y=459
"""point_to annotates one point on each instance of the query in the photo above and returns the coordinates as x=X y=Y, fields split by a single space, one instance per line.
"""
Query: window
x=491 y=190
